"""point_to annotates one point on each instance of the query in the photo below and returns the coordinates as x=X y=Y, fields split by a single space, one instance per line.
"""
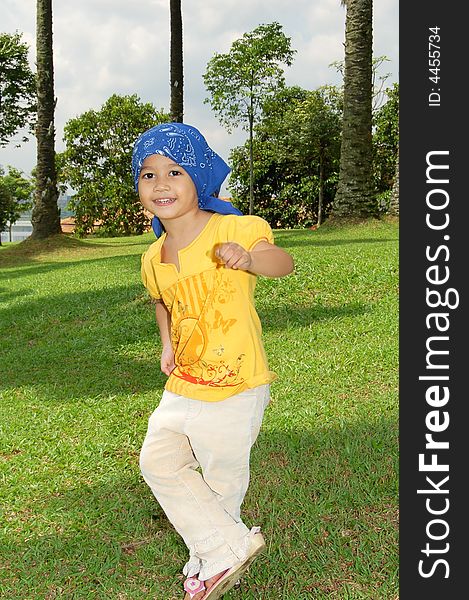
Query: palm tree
x=46 y=214
x=176 y=62
x=355 y=193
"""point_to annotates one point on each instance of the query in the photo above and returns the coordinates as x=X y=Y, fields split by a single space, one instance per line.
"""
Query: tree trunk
x=176 y=62
x=46 y=214
x=355 y=191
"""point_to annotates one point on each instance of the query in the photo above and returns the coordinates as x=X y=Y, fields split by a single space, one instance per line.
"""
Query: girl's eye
x=174 y=172
x=147 y=176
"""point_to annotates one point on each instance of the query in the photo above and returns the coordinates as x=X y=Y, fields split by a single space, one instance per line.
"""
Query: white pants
x=185 y=434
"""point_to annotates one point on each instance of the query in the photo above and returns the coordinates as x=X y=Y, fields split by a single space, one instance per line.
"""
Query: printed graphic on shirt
x=197 y=315
x=222 y=323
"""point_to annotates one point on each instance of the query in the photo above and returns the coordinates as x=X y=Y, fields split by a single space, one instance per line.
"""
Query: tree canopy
x=96 y=164
x=296 y=152
x=386 y=139
x=240 y=82
x=17 y=87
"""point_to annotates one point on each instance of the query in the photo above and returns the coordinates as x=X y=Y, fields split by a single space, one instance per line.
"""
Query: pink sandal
x=193 y=586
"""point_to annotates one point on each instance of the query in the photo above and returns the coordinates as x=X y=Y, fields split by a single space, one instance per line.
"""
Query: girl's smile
x=164 y=201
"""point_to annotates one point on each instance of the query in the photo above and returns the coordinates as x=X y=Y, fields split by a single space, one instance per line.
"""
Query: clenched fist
x=233 y=256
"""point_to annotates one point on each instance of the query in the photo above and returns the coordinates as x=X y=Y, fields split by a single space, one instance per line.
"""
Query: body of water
x=19 y=231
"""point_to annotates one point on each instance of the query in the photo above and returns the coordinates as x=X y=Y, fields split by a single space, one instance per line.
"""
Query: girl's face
x=166 y=189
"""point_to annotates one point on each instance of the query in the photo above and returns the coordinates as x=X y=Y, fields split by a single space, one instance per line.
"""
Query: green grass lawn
x=79 y=377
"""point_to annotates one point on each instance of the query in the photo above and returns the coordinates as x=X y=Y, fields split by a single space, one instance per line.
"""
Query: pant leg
x=220 y=434
x=231 y=428
x=166 y=459
x=169 y=466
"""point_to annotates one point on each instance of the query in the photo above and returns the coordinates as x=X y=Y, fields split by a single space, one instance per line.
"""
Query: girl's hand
x=167 y=360
x=233 y=256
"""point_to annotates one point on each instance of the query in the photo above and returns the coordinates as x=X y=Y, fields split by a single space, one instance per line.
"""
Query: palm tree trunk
x=46 y=214
x=355 y=194
x=176 y=62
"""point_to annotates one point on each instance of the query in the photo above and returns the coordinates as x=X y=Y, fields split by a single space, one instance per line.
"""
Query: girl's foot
x=219 y=584
x=212 y=581
x=199 y=595
x=225 y=581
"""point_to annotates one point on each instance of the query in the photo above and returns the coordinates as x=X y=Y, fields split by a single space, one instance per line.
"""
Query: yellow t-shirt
x=215 y=329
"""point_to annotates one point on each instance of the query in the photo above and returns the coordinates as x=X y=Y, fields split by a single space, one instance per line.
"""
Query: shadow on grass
x=291 y=242
x=282 y=317
x=324 y=497
x=26 y=269
x=77 y=344
x=104 y=342
x=6 y=294
x=37 y=268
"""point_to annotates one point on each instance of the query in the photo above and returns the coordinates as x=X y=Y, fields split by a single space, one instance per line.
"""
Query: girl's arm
x=264 y=259
x=163 y=318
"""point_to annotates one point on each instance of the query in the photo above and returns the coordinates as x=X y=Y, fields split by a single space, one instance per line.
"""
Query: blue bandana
x=187 y=147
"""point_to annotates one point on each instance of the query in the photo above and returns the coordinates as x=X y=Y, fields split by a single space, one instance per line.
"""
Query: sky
x=105 y=47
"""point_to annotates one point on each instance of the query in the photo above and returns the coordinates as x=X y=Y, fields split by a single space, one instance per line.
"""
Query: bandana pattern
x=188 y=148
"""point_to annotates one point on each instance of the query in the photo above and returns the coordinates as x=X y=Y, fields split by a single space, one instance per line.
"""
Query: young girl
x=201 y=272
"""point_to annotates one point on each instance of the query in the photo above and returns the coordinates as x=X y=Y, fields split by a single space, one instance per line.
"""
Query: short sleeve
x=248 y=230
x=148 y=277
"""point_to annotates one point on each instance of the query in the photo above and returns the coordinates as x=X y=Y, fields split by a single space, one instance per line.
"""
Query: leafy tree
x=318 y=120
x=271 y=173
x=386 y=139
x=46 y=214
x=15 y=197
x=240 y=81
x=394 y=200
x=17 y=87
x=355 y=194
x=296 y=151
x=96 y=164
x=276 y=111
x=176 y=62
